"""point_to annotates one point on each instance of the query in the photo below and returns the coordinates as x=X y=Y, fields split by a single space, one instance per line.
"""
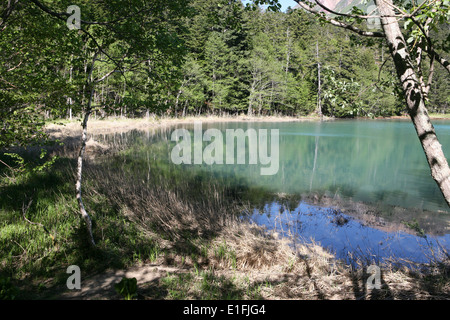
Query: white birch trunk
x=82 y=209
x=412 y=89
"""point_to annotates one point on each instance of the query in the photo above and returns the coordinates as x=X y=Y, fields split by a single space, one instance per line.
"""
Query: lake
x=359 y=186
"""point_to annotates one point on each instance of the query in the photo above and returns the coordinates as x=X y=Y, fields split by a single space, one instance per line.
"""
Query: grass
x=439 y=115
x=65 y=128
x=36 y=256
x=204 y=285
x=189 y=222
x=432 y=116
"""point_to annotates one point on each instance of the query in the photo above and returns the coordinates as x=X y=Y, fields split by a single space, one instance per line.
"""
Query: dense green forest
x=209 y=58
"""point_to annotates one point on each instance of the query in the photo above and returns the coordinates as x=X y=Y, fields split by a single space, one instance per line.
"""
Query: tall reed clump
x=160 y=207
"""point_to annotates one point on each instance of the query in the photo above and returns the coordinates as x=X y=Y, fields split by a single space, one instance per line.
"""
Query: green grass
x=203 y=285
x=222 y=252
x=35 y=257
x=439 y=115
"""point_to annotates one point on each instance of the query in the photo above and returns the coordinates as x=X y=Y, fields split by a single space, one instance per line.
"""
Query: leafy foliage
x=7 y=290
x=127 y=288
x=179 y=58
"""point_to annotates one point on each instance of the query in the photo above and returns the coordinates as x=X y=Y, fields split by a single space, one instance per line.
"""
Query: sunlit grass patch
x=204 y=285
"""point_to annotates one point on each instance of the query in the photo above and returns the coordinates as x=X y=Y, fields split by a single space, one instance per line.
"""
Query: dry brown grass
x=117 y=125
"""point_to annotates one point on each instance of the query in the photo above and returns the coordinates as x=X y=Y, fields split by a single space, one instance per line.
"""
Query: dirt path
x=101 y=286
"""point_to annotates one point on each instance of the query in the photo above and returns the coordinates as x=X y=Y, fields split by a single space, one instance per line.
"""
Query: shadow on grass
x=36 y=256
x=204 y=285
x=430 y=284
x=361 y=292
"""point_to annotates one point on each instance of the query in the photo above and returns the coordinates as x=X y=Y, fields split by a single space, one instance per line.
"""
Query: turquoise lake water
x=378 y=163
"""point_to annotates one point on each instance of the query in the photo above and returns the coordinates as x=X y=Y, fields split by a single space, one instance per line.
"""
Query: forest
x=208 y=58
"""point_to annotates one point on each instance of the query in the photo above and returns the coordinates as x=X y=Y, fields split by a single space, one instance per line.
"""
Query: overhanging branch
x=66 y=15
x=61 y=16
x=340 y=24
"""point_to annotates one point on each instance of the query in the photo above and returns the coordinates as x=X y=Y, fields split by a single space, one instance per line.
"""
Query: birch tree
x=121 y=37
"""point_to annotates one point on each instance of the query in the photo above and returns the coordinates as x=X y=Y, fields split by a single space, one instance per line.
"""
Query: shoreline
x=109 y=125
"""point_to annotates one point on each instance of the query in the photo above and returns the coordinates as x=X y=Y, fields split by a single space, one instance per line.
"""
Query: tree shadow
x=433 y=280
x=430 y=282
x=319 y=293
x=361 y=290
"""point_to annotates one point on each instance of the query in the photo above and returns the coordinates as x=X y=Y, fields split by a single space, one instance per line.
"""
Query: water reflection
x=370 y=161
x=347 y=237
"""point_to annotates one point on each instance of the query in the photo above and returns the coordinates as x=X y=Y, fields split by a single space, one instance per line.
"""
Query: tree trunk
x=251 y=99
x=440 y=170
x=319 y=84
x=83 y=211
x=176 y=102
x=184 y=108
x=78 y=184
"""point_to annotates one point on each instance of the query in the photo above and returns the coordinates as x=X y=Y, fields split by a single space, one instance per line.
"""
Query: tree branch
x=349 y=15
x=429 y=49
x=340 y=24
x=444 y=62
x=7 y=12
x=61 y=16
x=66 y=15
x=430 y=78
x=106 y=75
x=24 y=214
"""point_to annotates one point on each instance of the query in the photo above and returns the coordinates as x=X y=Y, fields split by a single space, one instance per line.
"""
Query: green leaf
x=408 y=24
